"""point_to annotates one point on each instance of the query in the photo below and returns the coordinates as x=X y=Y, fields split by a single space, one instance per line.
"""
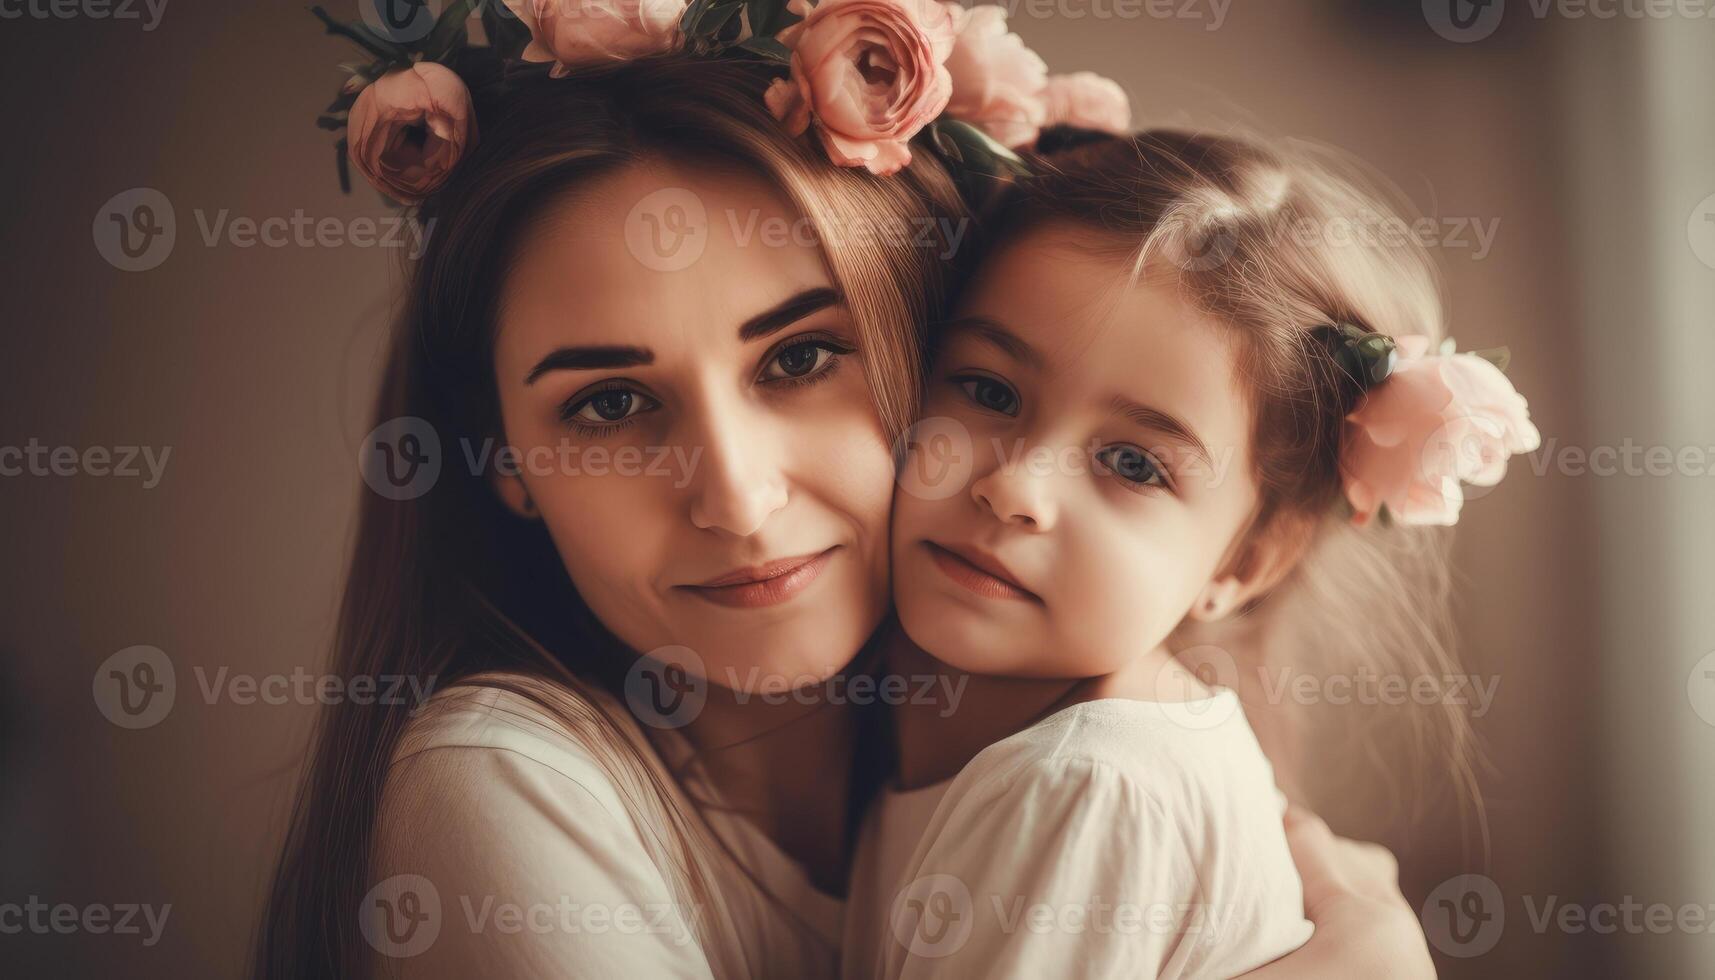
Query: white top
x=556 y=842
x=886 y=842
x=1116 y=838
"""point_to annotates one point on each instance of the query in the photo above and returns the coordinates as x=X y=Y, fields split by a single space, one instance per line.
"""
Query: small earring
x=530 y=507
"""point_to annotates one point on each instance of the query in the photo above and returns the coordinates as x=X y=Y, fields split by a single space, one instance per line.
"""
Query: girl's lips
x=768 y=585
x=978 y=580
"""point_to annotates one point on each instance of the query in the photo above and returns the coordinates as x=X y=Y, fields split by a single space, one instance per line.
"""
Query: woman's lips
x=979 y=580
x=765 y=585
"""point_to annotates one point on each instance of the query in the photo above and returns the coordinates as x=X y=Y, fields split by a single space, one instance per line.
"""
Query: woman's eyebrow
x=996 y=335
x=788 y=312
x=1163 y=422
x=590 y=359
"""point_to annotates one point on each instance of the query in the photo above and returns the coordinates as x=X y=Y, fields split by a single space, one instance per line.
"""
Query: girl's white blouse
x=1116 y=838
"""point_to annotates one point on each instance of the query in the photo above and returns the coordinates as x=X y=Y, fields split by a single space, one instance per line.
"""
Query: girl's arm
x=1364 y=928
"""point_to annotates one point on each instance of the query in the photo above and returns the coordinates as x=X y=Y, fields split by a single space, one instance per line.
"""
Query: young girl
x=1170 y=396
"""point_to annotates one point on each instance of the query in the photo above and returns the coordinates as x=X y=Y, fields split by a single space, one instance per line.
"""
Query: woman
x=522 y=823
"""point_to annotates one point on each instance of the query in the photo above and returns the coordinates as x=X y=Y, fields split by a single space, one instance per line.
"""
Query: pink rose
x=869 y=73
x=1435 y=422
x=1087 y=100
x=574 y=32
x=409 y=128
x=997 y=81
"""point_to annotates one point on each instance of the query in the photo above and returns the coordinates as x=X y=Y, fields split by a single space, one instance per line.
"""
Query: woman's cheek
x=851 y=470
x=605 y=529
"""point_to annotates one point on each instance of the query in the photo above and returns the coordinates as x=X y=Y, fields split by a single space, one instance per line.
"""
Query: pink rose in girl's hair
x=997 y=81
x=869 y=73
x=1087 y=100
x=409 y=128
x=574 y=32
x=1436 y=421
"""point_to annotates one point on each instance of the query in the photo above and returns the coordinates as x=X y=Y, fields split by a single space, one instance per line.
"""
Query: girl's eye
x=607 y=407
x=801 y=360
x=1133 y=465
x=988 y=393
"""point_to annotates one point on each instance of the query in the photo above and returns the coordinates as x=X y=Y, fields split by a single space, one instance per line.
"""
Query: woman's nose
x=738 y=482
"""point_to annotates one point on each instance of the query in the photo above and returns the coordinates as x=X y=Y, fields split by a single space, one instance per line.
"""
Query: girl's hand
x=1364 y=927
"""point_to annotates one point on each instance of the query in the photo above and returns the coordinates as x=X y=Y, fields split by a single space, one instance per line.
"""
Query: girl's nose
x=1016 y=496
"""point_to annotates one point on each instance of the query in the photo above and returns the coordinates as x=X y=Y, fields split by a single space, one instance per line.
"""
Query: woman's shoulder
x=537 y=717
x=511 y=795
x=506 y=735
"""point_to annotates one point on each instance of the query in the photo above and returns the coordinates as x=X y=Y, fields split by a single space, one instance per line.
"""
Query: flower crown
x=867 y=76
x=1424 y=424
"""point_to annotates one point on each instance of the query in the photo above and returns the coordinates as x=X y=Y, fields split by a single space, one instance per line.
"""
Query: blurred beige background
x=1584 y=145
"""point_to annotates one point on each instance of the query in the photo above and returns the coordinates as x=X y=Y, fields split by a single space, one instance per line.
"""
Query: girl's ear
x=511 y=491
x=1262 y=562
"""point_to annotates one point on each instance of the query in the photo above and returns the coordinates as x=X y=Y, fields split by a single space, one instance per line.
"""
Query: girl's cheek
x=1129 y=590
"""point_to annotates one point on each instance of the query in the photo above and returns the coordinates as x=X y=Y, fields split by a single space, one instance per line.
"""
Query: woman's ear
x=1262 y=562
x=512 y=492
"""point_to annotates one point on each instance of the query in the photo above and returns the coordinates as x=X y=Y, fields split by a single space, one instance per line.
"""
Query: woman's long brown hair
x=450 y=584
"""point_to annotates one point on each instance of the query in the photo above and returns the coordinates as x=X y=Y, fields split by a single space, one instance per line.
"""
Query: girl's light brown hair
x=1275 y=245
x=450 y=585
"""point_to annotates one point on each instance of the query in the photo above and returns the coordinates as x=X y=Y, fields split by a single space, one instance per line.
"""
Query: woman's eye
x=1133 y=465
x=989 y=393
x=803 y=359
x=607 y=407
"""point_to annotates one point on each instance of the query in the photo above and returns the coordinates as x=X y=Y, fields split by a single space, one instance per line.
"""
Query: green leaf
x=507 y=35
x=728 y=32
x=770 y=17
x=944 y=142
x=715 y=17
x=343 y=101
x=504 y=29
x=1500 y=357
x=343 y=165
x=978 y=150
x=693 y=14
x=768 y=48
x=449 y=32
